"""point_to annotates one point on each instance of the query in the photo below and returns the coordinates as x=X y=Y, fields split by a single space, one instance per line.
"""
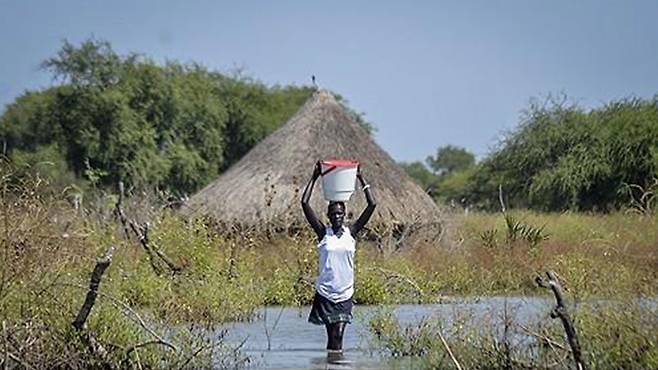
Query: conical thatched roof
x=265 y=186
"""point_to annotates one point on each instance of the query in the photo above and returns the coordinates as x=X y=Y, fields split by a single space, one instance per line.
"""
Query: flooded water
x=296 y=344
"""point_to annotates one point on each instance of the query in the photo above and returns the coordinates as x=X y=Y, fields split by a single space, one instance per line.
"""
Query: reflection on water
x=296 y=344
x=333 y=360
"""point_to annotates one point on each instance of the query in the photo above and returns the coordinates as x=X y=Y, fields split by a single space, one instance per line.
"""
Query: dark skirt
x=325 y=312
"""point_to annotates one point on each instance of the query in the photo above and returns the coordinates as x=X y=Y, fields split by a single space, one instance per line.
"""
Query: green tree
x=563 y=157
x=449 y=159
x=450 y=188
x=255 y=111
x=128 y=118
x=92 y=63
x=420 y=174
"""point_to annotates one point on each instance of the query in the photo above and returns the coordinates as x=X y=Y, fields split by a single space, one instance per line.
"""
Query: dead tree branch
x=141 y=233
x=88 y=337
x=195 y=354
x=101 y=265
x=118 y=209
x=5 y=361
x=553 y=345
x=560 y=311
x=135 y=317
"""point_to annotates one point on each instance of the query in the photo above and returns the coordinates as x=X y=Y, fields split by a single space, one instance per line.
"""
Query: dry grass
x=602 y=255
x=49 y=249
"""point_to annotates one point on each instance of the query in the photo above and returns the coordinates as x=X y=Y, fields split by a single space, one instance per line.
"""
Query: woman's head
x=336 y=214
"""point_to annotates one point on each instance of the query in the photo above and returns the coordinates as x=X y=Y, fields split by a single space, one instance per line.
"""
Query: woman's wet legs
x=335 y=336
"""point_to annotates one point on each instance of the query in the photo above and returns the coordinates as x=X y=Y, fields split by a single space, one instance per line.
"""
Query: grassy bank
x=49 y=249
x=598 y=255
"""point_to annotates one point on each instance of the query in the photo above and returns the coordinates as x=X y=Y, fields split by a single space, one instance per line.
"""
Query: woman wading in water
x=332 y=304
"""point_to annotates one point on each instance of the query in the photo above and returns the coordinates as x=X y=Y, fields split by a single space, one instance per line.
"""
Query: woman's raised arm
x=311 y=217
x=370 y=208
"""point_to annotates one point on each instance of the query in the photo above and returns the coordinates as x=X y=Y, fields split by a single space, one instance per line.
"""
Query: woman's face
x=336 y=214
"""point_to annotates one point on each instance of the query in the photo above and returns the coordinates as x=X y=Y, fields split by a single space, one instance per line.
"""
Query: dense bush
x=127 y=118
x=560 y=157
x=563 y=157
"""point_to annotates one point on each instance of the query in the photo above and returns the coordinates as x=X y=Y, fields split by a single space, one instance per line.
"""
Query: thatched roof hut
x=265 y=186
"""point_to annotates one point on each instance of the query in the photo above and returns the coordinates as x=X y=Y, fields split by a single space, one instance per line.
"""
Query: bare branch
x=101 y=265
x=135 y=316
x=560 y=311
x=141 y=233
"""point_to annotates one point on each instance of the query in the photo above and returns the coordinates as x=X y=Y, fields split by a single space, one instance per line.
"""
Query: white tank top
x=336 y=268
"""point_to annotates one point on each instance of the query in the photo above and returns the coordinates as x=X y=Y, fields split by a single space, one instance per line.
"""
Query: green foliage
x=46 y=161
x=489 y=238
x=449 y=159
x=419 y=173
x=516 y=233
x=450 y=187
x=94 y=63
x=172 y=126
x=517 y=230
x=453 y=168
x=622 y=335
x=562 y=157
x=371 y=288
x=254 y=111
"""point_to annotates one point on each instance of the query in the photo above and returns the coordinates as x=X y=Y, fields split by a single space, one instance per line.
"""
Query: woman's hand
x=317 y=170
x=367 y=213
x=312 y=219
x=359 y=175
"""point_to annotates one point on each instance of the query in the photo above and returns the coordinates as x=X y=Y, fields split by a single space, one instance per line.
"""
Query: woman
x=332 y=304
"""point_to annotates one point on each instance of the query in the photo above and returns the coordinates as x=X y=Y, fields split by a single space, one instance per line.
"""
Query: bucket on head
x=338 y=179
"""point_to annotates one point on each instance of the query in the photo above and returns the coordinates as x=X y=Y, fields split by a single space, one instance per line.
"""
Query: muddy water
x=293 y=343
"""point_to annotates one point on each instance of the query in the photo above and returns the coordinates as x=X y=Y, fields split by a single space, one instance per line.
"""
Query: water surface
x=296 y=344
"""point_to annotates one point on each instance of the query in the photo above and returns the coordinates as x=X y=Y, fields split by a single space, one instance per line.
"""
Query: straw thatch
x=265 y=186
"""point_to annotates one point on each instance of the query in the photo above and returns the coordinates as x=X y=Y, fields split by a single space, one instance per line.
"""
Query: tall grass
x=599 y=255
x=49 y=248
x=47 y=252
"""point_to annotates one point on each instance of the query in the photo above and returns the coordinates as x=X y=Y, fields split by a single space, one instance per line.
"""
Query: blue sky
x=426 y=74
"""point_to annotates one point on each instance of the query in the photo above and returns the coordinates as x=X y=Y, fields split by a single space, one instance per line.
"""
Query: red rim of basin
x=340 y=163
